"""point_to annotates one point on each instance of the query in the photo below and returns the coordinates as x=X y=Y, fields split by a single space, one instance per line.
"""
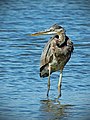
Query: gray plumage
x=55 y=54
x=62 y=55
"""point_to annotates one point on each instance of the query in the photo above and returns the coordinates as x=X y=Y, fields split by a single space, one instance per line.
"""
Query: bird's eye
x=51 y=30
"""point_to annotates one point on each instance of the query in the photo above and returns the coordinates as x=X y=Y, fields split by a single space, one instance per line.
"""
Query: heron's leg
x=59 y=84
x=49 y=80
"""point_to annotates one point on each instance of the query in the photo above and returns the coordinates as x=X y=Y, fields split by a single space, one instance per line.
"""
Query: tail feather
x=44 y=72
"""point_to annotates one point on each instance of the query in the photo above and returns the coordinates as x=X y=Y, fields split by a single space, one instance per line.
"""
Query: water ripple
x=22 y=91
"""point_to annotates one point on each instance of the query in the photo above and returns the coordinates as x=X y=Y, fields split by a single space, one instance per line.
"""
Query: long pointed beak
x=47 y=32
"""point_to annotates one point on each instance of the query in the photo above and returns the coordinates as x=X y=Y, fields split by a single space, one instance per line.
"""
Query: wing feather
x=46 y=54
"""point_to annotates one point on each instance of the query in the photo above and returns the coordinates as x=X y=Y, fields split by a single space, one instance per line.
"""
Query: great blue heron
x=55 y=54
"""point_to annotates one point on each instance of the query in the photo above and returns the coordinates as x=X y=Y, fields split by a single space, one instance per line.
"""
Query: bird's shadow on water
x=53 y=110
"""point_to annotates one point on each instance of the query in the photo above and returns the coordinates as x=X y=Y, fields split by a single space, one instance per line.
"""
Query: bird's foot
x=57 y=101
x=59 y=96
x=47 y=94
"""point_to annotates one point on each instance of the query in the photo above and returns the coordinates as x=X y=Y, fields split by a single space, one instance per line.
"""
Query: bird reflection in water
x=53 y=110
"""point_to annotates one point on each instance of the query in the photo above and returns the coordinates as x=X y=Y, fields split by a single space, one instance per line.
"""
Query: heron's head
x=55 y=29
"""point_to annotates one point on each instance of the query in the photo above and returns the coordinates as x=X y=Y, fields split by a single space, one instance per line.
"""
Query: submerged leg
x=49 y=80
x=59 y=84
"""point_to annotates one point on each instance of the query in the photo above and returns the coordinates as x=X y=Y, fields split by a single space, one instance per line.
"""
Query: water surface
x=22 y=91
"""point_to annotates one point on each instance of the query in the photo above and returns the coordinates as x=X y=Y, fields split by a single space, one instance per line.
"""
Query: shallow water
x=22 y=91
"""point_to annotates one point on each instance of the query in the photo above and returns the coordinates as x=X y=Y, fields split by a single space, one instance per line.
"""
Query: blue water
x=22 y=91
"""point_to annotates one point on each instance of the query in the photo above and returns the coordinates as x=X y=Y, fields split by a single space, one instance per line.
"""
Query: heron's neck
x=61 y=36
x=61 y=39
